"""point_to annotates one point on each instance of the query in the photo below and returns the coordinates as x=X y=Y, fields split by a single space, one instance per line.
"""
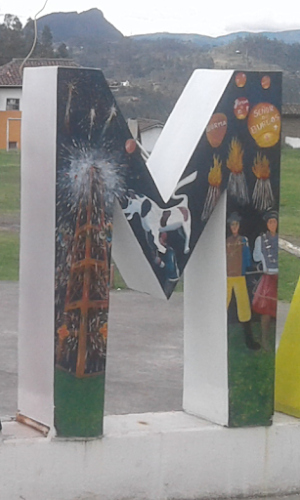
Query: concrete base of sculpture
x=152 y=456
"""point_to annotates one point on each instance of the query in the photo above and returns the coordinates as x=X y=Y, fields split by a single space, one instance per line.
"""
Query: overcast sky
x=210 y=17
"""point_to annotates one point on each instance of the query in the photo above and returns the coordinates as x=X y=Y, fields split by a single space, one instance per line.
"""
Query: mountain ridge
x=287 y=36
x=158 y=66
x=72 y=28
x=92 y=21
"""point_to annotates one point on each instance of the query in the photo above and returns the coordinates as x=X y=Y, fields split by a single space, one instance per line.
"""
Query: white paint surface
x=150 y=137
x=185 y=127
x=130 y=258
x=294 y=142
x=205 y=387
x=9 y=93
x=37 y=253
x=289 y=247
x=156 y=456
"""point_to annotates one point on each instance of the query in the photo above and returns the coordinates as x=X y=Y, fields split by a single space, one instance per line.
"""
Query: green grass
x=9 y=256
x=250 y=378
x=79 y=404
x=289 y=272
x=290 y=194
x=9 y=159
x=118 y=281
x=9 y=183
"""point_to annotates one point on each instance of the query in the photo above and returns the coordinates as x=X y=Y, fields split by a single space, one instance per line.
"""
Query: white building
x=146 y=130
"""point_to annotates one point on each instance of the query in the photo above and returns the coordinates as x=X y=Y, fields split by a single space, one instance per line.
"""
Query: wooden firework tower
x=86 y=303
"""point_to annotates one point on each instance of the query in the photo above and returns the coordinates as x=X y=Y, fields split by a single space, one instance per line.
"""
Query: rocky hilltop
x=74 y=29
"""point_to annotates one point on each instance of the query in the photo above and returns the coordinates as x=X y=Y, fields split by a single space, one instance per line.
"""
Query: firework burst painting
x=91 y=172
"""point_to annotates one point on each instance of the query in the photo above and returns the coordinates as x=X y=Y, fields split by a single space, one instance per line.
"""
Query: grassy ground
x=9 y=184
x=289 y=224
x=9 y=256
x=289 y=272
x=9 y=215
x=250 y=378
x=289 y=220
x=289 y=195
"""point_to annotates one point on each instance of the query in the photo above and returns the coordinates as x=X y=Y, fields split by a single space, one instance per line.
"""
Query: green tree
x=46 y=45
x=11 y=38
x=62 y=51
x=29 y=34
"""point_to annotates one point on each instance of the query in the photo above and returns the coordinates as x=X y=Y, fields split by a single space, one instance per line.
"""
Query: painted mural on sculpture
x=91 y=172
x=240 y=152
x=253 y=160
x=97 y=161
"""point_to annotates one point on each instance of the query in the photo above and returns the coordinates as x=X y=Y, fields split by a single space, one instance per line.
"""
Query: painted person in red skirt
x=265 y=297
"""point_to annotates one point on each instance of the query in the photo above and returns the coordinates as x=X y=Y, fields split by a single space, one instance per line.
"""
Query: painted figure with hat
x=265 y=297
x=168 y=263
x=238 y=261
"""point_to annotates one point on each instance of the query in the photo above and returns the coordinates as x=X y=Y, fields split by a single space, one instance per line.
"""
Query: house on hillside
x=290 y=133
x=146 y=130
x=11 y=98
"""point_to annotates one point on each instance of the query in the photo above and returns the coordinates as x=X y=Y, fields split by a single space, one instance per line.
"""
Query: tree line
x=16 y=41
x=271 y=51
x=156 y=69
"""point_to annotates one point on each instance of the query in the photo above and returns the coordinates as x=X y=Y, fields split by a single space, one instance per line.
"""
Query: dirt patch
x=291 y=239
x=10 y=222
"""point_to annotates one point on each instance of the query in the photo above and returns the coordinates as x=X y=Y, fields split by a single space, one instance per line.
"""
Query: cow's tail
x=187 y=180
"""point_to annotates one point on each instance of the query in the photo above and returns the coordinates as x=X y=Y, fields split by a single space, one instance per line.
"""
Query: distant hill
x=292 y=36
x=158 y=66
x=74 y=29
x=201 y=40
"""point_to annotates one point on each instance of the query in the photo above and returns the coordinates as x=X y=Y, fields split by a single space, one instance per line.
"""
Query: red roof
x=149 y=123
x=10 y=72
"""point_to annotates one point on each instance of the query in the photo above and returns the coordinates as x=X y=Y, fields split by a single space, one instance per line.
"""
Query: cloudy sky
x=213 y=17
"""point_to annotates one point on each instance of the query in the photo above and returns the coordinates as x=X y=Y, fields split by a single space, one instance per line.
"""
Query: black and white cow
x=156 y=220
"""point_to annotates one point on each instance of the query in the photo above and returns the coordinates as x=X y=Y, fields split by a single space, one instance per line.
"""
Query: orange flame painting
x=213 y=194
x=262 y=196
x=237 y=187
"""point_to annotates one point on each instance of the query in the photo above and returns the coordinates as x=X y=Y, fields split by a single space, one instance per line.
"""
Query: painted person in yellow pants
x=238 y=260
x=237 y=284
